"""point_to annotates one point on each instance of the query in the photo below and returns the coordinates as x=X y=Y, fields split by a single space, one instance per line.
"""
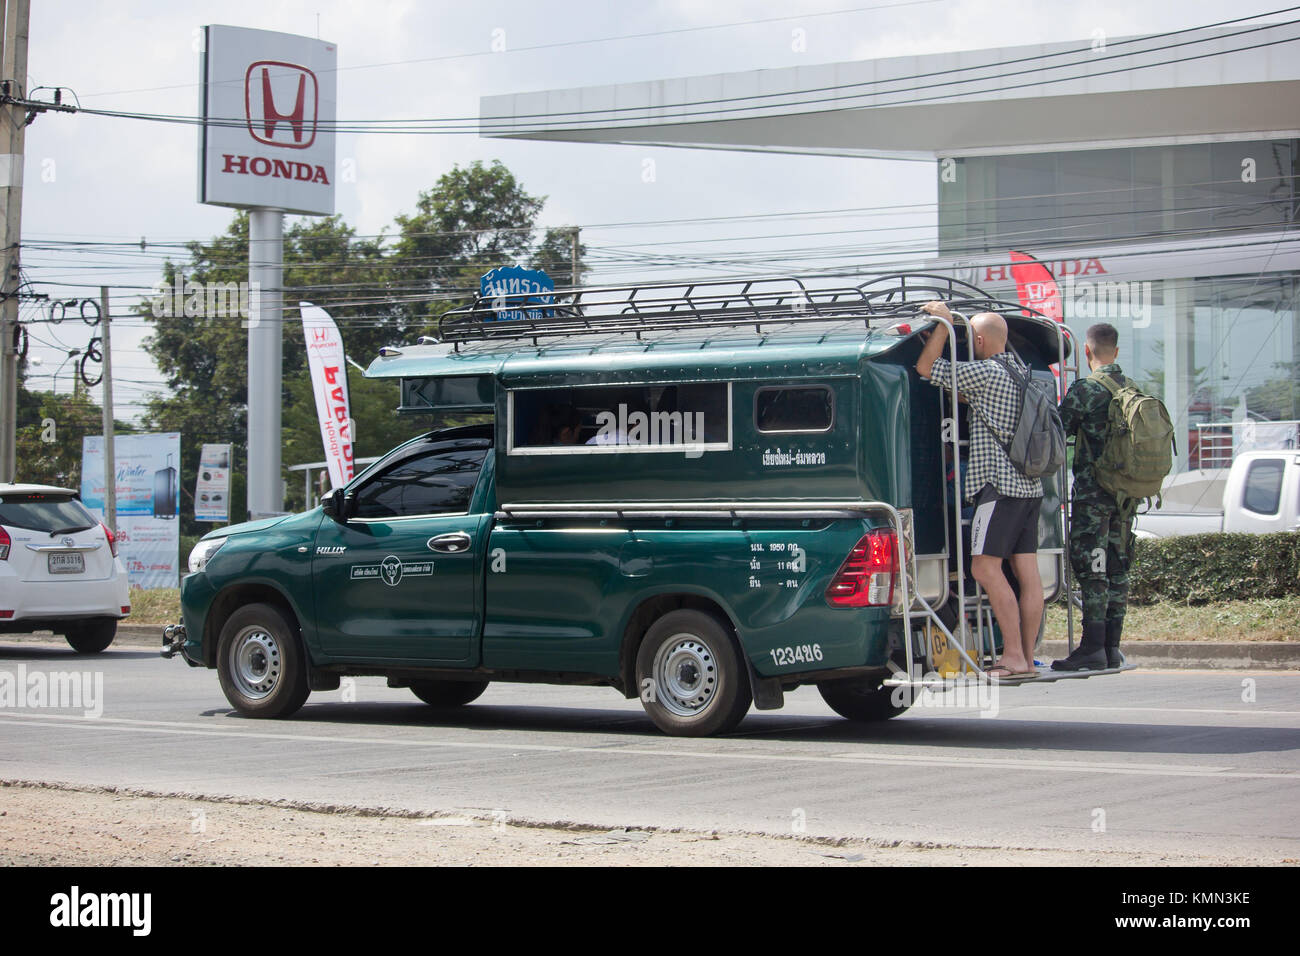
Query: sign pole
x=110 y=460
x=265 y=346
x=14 y=17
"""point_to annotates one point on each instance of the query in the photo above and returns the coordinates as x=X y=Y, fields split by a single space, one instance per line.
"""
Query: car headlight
x=203 y=552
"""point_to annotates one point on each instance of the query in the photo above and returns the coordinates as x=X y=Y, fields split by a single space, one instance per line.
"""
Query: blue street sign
x=513 y=281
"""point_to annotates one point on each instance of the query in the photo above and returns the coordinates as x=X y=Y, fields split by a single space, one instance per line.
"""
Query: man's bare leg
x=1025 y=567
x=987 y=570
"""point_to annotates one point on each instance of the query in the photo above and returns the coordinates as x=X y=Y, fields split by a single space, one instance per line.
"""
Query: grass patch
x=1262 y=619
x=157 y=606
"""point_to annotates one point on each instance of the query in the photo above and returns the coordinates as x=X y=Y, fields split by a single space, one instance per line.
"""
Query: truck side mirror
x=335 y=505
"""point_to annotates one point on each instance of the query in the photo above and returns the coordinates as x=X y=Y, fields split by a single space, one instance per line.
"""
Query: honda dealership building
x=1155 y=176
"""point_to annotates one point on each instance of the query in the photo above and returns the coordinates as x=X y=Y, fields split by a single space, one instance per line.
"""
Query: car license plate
x=67 y=562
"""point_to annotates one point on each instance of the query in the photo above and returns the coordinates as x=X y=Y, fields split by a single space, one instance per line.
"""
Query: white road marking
x=1156 y=710
x=874 y=758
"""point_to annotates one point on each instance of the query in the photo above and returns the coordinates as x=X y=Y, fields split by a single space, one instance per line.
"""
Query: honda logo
x=281 y=101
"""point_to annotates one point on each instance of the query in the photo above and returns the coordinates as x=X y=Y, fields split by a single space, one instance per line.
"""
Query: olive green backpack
x=1138 y=453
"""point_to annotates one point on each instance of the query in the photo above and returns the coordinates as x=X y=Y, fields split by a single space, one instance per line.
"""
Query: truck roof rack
x=715 y=303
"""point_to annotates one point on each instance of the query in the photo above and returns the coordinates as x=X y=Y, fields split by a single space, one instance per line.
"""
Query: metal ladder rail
x=1067 y=492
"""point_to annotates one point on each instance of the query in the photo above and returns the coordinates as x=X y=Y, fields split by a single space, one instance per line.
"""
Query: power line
x=441 y=126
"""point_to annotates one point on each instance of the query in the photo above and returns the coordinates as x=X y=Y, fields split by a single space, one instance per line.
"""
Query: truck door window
x=788 y=408
x=1264 y=486
x=438 y=482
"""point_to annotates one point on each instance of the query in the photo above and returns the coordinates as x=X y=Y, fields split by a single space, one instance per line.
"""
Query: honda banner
x=1035 y=285
x=329 y=381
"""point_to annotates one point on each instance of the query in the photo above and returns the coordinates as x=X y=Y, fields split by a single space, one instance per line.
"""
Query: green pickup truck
x=695 y=496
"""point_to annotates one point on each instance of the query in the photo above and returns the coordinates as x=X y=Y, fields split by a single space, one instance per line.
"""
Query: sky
x=113 y=179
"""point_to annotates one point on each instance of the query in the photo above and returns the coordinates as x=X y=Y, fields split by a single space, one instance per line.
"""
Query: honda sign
x=269 y=111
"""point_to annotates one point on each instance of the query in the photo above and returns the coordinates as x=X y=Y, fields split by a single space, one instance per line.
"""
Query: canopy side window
x=611 y=418
x=794 y=408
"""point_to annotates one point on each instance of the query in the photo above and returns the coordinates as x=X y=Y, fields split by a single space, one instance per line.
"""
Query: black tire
x=690 y=675
x=448 y=693
x=261 y=663
x=864 y=699
x=91 y=637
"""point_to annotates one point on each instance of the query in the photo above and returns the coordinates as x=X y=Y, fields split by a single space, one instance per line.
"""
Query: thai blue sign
x=507 y=284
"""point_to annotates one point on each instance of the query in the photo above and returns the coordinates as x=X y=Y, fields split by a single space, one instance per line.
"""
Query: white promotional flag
x=329 y=380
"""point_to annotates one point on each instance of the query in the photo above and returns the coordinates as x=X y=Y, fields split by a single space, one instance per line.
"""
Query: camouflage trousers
x=1101 y=551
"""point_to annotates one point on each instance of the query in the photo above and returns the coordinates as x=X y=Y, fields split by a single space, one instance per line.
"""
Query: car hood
x=262 y=524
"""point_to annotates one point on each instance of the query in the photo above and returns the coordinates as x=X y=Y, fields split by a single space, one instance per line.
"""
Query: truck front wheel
x=690 y=675
x=261 y=663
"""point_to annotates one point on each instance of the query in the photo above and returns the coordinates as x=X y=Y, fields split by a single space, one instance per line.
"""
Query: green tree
x=379 y=293
x=474 y=219
x=50 y=429
x=554 y=256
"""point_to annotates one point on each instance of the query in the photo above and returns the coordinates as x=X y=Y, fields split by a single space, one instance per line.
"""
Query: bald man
x=1005 y=524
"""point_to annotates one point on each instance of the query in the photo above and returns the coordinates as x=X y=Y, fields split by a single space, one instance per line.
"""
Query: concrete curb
x=1166 y=655
x=1200 y=655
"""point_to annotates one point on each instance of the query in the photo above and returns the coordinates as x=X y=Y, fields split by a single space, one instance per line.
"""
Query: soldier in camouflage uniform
x=1101 y=533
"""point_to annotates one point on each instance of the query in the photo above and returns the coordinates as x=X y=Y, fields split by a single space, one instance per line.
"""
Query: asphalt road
x=1171 y=763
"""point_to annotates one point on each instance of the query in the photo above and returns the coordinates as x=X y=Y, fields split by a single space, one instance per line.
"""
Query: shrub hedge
x=1207 y=568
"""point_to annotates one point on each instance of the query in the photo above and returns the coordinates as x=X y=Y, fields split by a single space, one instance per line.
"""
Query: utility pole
x=13 y=124
x=573 y=255
x=110 y=460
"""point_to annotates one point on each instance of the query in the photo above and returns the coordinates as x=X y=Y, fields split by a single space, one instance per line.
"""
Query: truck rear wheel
x=863 y=699
x=448 y=693
x=690 y=675
x=261 y=663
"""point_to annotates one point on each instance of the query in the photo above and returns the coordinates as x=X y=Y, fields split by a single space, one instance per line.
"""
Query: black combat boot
x=1113 y=657
x=1090 y=655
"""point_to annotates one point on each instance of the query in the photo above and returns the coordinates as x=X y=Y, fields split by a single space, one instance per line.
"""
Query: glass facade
x=994 y=203
x=1216 y=348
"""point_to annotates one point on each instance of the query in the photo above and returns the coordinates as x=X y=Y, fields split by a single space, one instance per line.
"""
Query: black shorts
x=1004 y=526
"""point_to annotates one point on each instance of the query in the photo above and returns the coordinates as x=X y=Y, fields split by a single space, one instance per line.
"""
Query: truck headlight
x=203 y=552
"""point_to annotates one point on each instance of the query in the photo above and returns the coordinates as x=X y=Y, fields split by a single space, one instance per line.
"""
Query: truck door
x=399 y=579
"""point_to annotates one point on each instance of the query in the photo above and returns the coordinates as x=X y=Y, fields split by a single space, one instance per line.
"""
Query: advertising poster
x=148 y=502
x=212 y=488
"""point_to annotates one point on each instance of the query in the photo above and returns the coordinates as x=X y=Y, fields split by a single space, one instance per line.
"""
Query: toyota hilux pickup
x=701 y=498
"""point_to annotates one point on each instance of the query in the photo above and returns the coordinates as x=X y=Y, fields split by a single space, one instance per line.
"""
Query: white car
x=59 y=569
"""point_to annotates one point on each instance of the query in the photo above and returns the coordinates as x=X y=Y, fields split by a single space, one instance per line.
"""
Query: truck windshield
x=44 y=512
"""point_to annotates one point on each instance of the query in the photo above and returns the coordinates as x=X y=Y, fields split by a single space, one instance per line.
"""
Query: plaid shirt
x=987 y=385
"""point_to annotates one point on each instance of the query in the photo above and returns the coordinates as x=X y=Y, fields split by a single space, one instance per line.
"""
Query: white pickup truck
x=1259 y=493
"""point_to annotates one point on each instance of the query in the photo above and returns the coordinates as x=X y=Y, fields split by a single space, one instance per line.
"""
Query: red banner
x=1035 y=285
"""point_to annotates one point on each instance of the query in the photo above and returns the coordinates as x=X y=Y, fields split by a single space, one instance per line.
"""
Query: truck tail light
x=112 y=539
x=4 y=545
x=867 y=576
